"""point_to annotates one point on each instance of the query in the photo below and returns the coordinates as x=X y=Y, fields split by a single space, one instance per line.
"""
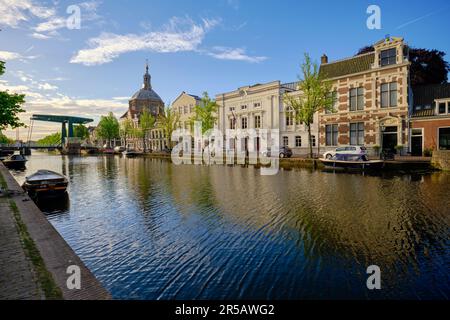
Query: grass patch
x=45 y=279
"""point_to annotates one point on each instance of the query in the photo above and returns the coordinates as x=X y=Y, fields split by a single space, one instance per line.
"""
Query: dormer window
x=388 y=57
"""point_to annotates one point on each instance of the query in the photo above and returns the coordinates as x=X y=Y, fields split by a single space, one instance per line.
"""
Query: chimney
x=324 y=59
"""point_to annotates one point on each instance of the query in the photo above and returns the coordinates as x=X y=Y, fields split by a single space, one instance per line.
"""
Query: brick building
x=430 y=118
x=372 y=94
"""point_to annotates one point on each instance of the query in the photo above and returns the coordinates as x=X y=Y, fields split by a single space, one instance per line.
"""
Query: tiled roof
x=423 y=113
x=340 y=68
x=425 y=95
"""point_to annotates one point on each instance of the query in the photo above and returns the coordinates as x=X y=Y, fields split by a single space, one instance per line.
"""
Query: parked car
x=346 y=150
x=283 y=152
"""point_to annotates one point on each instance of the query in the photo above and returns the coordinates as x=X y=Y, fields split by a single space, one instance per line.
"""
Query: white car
x=346 y=150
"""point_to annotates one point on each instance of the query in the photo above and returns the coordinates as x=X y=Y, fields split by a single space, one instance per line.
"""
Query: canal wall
x=55 y=252
x=441 y=160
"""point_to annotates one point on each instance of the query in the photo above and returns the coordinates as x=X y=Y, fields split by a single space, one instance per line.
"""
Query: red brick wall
x=430 y=130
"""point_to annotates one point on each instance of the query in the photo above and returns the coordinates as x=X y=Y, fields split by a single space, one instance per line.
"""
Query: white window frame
x=438 y=137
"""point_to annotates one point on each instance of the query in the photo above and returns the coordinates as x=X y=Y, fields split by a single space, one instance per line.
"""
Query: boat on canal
x=15 y=161
x=45 y=182
x=132 y=153
x=352 y=162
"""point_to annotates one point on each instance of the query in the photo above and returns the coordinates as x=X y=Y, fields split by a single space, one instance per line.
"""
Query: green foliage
x=81 y=131
x=5 y=140
x=126 y=128
x=428 y=152
x=206 y=112
x=108 y=127
x=50 y=140
x=146 y=123
x=168 y=122
x=10 y=106
x=316 y=96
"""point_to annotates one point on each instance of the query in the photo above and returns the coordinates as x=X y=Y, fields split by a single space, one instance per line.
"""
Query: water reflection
x=152 y=230
x=53 y=205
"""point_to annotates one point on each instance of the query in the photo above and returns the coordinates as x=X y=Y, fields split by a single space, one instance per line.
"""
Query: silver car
x=345 y=149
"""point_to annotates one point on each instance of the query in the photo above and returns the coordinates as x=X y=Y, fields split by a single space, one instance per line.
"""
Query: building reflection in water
x=149 y=229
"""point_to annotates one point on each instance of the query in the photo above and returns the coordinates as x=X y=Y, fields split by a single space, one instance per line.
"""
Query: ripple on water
x=151 y=230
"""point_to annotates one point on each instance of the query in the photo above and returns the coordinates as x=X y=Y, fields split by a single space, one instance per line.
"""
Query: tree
x=5 y=140
x=126 y=129
x=427 y=66
x=50 y=140
x=108 y=128
x=168 y=122
x=80 y=131
x=206 y=112
x=10 y=106
x=146 y=123
x=315 y=96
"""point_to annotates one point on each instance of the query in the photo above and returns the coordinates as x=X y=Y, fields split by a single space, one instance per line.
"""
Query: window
x=444 y=138
x=233 y=123
x=180 y=109
x=389 y=95
x=441 y=108
x=388 y=57
x=244 y=106
x=285 y=141
x=298 y=141
x=244 y=123
x=333 y=96
x=289 y=117
x=232 y=108
x=357 y=133
x=356 y=99
x=257 y=122
x=257 y=104
x=313 y=141
x=331 y=134
x=191 y=108
x=185 y=109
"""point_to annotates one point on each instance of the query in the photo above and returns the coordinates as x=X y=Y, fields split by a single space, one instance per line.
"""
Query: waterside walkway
x=34 y=258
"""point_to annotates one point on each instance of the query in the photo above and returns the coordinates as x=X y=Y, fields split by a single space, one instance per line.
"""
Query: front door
x=389 y=139
x=416 y=146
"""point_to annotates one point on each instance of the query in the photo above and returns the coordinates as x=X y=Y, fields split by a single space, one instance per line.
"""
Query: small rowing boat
x=45 y=182
x=16 y=161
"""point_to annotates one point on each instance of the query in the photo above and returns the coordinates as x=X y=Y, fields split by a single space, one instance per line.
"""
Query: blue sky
x=193 y=46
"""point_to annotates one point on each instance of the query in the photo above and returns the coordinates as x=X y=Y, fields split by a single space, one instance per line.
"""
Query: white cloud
x=4 y=86
x=8 y=55
x=52 y=24
x=236 y=54
x=178 y=35
x=13 y=12
x=47 y=86
x=40 y=36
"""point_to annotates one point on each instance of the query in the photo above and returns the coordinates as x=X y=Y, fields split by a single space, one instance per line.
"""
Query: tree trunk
x=310 y=142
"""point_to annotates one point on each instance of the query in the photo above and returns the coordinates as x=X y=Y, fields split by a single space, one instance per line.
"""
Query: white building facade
x=261 y=106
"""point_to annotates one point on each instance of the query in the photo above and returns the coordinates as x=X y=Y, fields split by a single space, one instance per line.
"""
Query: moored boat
x=45 y=182
x=352 y=161
x=16 y=161
x=132 y=153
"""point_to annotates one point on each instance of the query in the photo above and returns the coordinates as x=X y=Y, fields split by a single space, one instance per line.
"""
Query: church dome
x=146 y=93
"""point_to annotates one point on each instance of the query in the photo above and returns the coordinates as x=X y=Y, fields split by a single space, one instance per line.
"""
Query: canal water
x=149 y=229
